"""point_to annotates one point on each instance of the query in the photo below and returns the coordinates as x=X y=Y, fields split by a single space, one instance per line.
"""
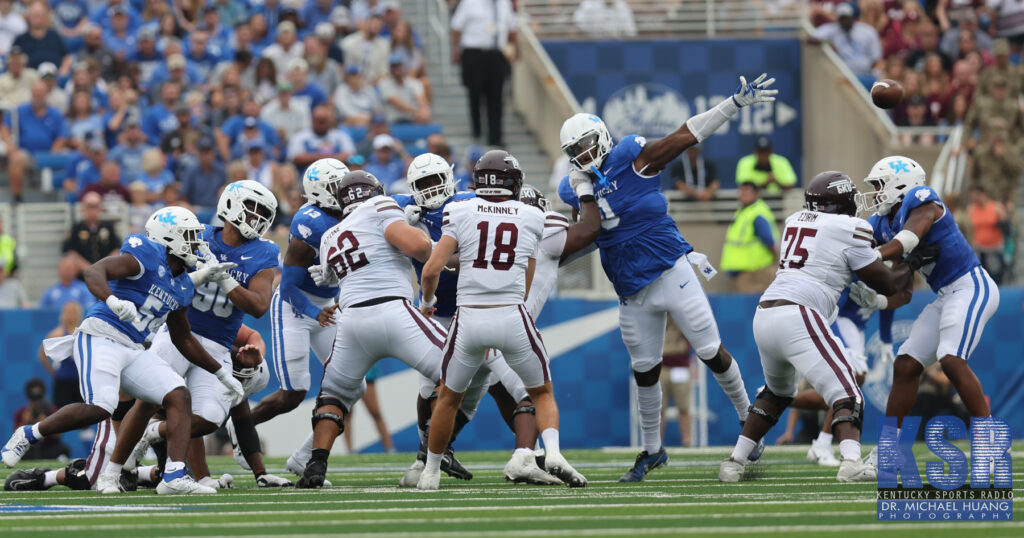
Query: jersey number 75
x=795 y=254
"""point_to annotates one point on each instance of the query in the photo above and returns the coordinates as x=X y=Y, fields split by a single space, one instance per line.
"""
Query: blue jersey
x=309 y=225
x=956 y=258
x=448 y=284
x=212 y=314
x=638 y=239
x=155 y=292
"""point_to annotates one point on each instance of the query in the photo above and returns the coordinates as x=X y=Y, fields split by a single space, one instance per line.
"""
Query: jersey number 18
x=504 y=246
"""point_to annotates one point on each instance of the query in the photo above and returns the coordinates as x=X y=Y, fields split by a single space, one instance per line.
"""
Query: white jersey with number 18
x=496 y=241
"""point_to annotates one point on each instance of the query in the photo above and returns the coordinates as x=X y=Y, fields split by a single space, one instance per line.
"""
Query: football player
x=215 y=315
x=150 y=286
x=368 y=254
x=947 y=330
x=823 y=246
x=498 y=236
x=646 y=258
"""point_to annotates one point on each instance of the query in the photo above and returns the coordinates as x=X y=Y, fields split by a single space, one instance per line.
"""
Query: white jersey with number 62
x=496 y=241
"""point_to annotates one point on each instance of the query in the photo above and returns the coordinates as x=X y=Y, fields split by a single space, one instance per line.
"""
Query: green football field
x=787 y=496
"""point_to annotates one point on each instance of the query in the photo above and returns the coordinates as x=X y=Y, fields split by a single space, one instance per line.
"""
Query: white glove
x=859 y=364
x=885 y=354
x=754 y=92
x=581 y=183
x=124 y=310
x=226 y=481
x=234 y=392
x=412 y=214
x=865 y=297
x=323 y=277
x=206 y=254
x=211 y=272
x=273 y=481
x=209 y=482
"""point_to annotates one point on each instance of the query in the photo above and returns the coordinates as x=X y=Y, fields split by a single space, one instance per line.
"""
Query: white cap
x=298 y=63
x=383 y=141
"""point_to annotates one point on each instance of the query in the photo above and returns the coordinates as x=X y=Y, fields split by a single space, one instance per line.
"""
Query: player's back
x=819 y=253
x=367 y=266
x=496 y=241
x=308 y=225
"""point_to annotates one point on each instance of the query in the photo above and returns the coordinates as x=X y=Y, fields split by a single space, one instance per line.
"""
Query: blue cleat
x=644 y=464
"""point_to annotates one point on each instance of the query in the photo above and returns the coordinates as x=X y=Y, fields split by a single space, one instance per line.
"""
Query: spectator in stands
x=155 y=175
x=94 y=48
x=692 y=175
x=823 y=11
x=128 y=153
x=231 y=13
x=367 y=49
x=247 y=126
x=16 y=83
x=387 y=164
x=356 y=162
x=41 y=42
x=90 y=239
x=12 y=294
x=324 y=72
x=378 y=125
x=42 y=130
x=404 y=99
x=1007 y=20
x=988 y=220
x=304 y=92
x=123 y=103
x=84 y=169
x=38 y=408
x=464 y=176
x=765 y=169
x=676 y=380
x=140 y=208
x=84 y=121
x=751 y=242
x=219 y=36
x=1000 y=104
x=402 y=43
x=146 y=55
x=328 y=35
x=996 y=164
x=953 y=38
x=604 y=18
x=917 y=116
x=56 y=96
x=119 y=39
x=286 y=48
x=481 y=31
x=67 y=289
x=109 y=186
x=263 y=81
x=857 y=43
x=200 y=54
x=8 y=251
x=286 y=116
x=257 y=166
x=355 y=101
x=12 y=24
x=1001 y=65
x=322 y=139
x=201 y=182
x=177 y=70
x=927 y=43
x=65 y=375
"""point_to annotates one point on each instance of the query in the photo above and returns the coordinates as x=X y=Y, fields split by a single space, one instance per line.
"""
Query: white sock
x=744 y=446
x=433 y=462
x=732 y=383
x=152 y=433
x=649 y=404
x=526 y=451
x=304 y=451
x=145 y=474
x=112 y=468
x=35 y=431
x=824 y=439
x=173 y=466
x=50 y=479
x=849 y=449
x=550 y=437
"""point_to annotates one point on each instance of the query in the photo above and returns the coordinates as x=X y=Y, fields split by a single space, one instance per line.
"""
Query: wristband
x=227 y=285
x=584 y=189
x=430 y=303
x=881 y=302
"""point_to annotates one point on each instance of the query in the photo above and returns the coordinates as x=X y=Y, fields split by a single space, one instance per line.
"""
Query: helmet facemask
x=586 y=152
x=255 y=220
x=432 y=191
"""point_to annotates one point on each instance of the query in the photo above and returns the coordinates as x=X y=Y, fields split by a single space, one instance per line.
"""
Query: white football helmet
x=891 y=178
x=586 y=140
x=249 y=206
x=321 y=181
x=431 y=180
x=179 y=230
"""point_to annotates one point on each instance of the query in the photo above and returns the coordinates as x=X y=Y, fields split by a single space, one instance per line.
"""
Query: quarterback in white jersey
x=822 y=248
x=497 y=236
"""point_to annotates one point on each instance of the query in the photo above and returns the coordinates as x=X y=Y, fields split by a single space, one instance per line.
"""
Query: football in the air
x=886 y=93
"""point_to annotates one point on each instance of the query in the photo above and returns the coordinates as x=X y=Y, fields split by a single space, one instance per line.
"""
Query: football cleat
x=822 y=455
x=183 y=485
x=129 y=480
x=412 y=475
x=16 y=447
x=872 y=458
x=451 y=466
x=557 y=466
x=522 y=468
x=209 y=482
x=297 y=468
x=429 y=481
x=273 y=481
x=75 y=476
x=538 y=455
x=730 y=471
x=27 y=480
x=236 y=451
x=109 y=483
x=645 y=463
x=313 y=475
x=856 y=471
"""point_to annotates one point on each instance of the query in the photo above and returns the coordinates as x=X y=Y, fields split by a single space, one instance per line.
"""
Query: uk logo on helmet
x=235 y=187
x=168 y=218
x=314 y=174
x=899 y=166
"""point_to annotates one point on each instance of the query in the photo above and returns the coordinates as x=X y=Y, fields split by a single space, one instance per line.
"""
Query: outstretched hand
x=754 y=92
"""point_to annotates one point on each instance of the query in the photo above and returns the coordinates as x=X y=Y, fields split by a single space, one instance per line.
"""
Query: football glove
x=124 y=310
x=922 y=255
x=211 y=272
x=412 y=214
x=865 y=297
x=885 y=353
x=859 y=364
x=272 y=481
x=581 y=183
x=754 y=92
x=234 y=392
x=323 y=277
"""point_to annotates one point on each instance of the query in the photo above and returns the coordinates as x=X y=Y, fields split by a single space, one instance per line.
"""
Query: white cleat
x=872 y=458
x=15 y=448
x=731 y=471
x=109 y=483
x=559 y=467
x=856 y=471
x=137 y=454
x=209 y=482
x=412 y=476
x=183 y=485
x=293 y=466
x=522 y=468
x=822 y=455
x=236 y=451
x=429 y=481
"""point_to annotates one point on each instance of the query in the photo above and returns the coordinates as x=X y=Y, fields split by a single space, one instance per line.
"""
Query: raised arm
x=98 y=275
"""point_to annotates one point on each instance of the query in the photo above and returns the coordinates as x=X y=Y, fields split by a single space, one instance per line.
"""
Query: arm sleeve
x=885 y=318
x=291 y=277
x=763 y=231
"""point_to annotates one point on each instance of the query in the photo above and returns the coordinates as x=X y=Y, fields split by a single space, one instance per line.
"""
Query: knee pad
x=121 y=410
x=524 y=407
x=338 y=419
x=709 y=352
x=648 y=378
x=856 y=412
x=780 y=403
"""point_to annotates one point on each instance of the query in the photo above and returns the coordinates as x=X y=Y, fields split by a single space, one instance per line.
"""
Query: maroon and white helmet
x=831 y=192
x=355 y=188
x=532 y=196
x=497 y=173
